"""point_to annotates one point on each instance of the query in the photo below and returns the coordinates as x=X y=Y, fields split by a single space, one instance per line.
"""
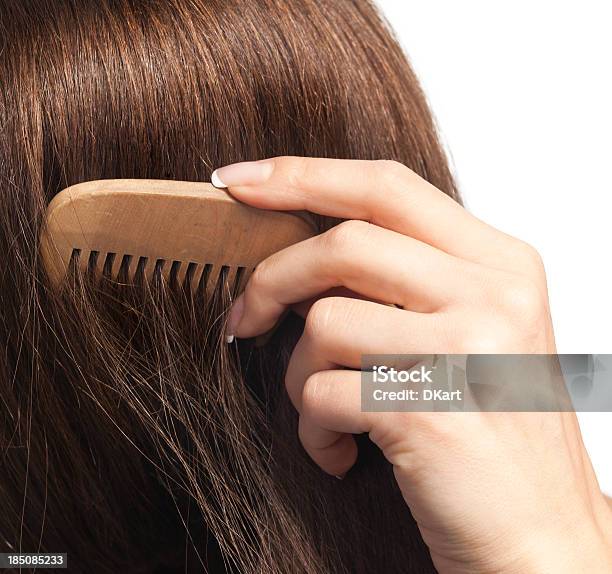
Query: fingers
x=383 y=192
x=332 y=400
x=339 y=331
x=376 y=263
x=335 y=452
x=331 y=412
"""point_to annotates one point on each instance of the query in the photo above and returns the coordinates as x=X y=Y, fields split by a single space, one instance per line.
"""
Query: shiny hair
x=132 y=437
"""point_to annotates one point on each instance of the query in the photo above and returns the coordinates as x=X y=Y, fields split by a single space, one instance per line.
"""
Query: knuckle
x=528 y=258
x=392 y=172
x=390 y=167
x=313 y=393
x=521 y=298
x=260 y=277
x=319 y=318
x=345 y=235
x=295 y=171
x=529 y=252
x=534 y=260
x=509 y=318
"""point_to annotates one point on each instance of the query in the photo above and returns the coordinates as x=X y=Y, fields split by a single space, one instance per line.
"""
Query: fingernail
x=234 y=318
x=214 y=179
x=245 y=173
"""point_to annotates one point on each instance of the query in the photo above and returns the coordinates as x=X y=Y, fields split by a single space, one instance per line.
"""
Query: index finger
x=386 y=193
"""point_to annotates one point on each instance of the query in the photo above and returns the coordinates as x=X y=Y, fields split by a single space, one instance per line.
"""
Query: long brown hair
x=131 y=436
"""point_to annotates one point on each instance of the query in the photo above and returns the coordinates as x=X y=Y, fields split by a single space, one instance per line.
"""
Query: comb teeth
x=188 y=234
x=133 y=269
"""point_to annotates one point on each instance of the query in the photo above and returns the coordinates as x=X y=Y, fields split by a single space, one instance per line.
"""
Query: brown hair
x=132 y=437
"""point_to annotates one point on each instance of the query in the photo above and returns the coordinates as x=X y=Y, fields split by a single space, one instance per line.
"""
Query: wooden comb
x=192 y=233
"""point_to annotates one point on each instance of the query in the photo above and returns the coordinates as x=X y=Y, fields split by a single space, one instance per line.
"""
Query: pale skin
x=491 y=492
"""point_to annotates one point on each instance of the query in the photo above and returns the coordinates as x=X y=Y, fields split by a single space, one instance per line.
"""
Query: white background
x=522 y=93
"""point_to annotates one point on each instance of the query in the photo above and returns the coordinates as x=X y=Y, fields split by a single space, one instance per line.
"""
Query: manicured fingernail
x=235 y=316
x=245 y=173
x=214 y=179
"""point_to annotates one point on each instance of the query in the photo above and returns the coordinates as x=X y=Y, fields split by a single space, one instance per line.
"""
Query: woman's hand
x=491 y=492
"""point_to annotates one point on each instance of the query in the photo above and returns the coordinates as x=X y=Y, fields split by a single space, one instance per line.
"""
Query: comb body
x=191 y=232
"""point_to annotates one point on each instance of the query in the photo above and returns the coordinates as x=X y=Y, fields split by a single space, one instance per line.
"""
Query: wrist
x=569 y=542
x=585 y=547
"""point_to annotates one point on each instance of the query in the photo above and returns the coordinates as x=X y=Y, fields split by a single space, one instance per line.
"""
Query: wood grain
x=192 y=230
